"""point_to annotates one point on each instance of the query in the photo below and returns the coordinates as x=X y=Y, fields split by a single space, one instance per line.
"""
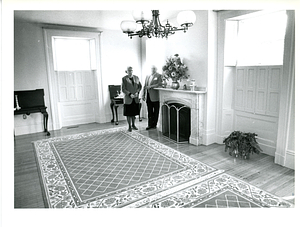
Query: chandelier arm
x=134 y=34
x=175 y=29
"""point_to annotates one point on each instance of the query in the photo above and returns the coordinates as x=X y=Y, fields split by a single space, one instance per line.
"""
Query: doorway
x=74 y=76
x=250 y=74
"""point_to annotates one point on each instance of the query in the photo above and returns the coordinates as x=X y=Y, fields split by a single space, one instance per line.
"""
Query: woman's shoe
x=129 y=130
x=134 y=128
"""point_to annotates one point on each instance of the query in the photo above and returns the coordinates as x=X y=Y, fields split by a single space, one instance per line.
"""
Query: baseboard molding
x=269 y=150
x=33 y=123
x=108 y=117
x=209 y=137
x=219 y=139
x=290 y=159
x=28 y=129
x=287 y=161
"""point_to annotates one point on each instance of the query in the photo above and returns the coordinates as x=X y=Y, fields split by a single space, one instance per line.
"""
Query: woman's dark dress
x=133 y=108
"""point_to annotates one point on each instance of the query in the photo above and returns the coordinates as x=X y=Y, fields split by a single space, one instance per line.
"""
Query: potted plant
x=241 y=144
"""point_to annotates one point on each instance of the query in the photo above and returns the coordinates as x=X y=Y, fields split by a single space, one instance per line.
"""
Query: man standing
x=151 y=96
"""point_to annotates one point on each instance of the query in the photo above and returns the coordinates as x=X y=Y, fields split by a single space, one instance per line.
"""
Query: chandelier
x=153 y=28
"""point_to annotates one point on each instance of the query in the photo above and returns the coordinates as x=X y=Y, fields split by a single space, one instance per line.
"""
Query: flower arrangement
x=174 y=69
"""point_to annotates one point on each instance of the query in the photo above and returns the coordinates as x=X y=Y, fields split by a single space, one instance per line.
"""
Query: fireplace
x=182 y=115
x=176 y=123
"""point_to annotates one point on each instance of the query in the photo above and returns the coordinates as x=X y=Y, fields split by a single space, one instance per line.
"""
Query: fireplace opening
x=176 y=122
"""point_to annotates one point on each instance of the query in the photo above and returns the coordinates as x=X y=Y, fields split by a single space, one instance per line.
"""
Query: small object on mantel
x=193 y=84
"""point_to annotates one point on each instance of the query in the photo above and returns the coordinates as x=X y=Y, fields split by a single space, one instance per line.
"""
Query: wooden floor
x=260 y=170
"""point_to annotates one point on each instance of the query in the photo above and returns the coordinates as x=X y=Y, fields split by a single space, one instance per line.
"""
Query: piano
x=116 y=100
x=31 y=101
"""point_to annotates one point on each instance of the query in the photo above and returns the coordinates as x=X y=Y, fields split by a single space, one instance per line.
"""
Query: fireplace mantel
x=182 y=91
x=196 y=100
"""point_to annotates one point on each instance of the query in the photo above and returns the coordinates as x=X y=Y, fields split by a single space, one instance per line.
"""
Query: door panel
x=261 y=90
x=240 y=88
x=273 y=97
x=78 y=112
x=77 y=97
x=250 y=89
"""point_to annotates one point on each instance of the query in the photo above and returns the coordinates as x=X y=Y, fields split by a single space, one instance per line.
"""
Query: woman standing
x=131 y=87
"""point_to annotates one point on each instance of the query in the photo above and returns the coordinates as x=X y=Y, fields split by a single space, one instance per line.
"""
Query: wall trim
x=290 y=152
x=287 y=89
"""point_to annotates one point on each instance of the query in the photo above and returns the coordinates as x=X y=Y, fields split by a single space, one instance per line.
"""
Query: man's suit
x=152 y=98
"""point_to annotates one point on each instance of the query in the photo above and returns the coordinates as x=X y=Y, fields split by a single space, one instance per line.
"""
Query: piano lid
x=114 y=91
x=29 y=98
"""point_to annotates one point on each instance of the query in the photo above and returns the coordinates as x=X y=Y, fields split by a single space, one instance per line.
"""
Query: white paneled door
x=77 y=102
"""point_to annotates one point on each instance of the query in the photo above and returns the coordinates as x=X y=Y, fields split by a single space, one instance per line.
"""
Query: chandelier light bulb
x=186 y=18
x=141 y=15
x=128 y=26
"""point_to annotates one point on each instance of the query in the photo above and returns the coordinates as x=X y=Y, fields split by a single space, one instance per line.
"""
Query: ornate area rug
x=110 y=168
x=116 y=168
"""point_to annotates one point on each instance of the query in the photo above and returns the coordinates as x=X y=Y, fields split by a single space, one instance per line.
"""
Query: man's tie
x=150 y=79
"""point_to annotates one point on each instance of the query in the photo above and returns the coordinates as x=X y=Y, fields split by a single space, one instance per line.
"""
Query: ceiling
x=103 y=19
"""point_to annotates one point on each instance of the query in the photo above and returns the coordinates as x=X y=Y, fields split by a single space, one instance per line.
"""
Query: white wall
x=210 y=124
x=192 y=46
x=117 y=52
x=30 y=72
x=197 y=48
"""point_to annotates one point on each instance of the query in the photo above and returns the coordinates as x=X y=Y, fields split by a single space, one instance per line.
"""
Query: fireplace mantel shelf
x=180 y=90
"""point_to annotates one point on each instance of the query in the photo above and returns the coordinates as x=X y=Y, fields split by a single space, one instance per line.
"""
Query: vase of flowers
x=175 y=69
x=175 y=85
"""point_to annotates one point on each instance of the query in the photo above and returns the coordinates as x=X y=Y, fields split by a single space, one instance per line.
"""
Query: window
x=255 y=41
x=73 y=54
x=230 y=58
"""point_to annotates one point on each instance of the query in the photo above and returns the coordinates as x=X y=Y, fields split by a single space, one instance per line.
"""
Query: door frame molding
x=283 y=155
x=52 y=32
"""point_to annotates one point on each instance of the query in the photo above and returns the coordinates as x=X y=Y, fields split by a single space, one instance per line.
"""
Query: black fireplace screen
x=176 y=121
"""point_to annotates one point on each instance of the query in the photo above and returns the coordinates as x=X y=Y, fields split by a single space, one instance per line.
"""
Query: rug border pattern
x=208 y=188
